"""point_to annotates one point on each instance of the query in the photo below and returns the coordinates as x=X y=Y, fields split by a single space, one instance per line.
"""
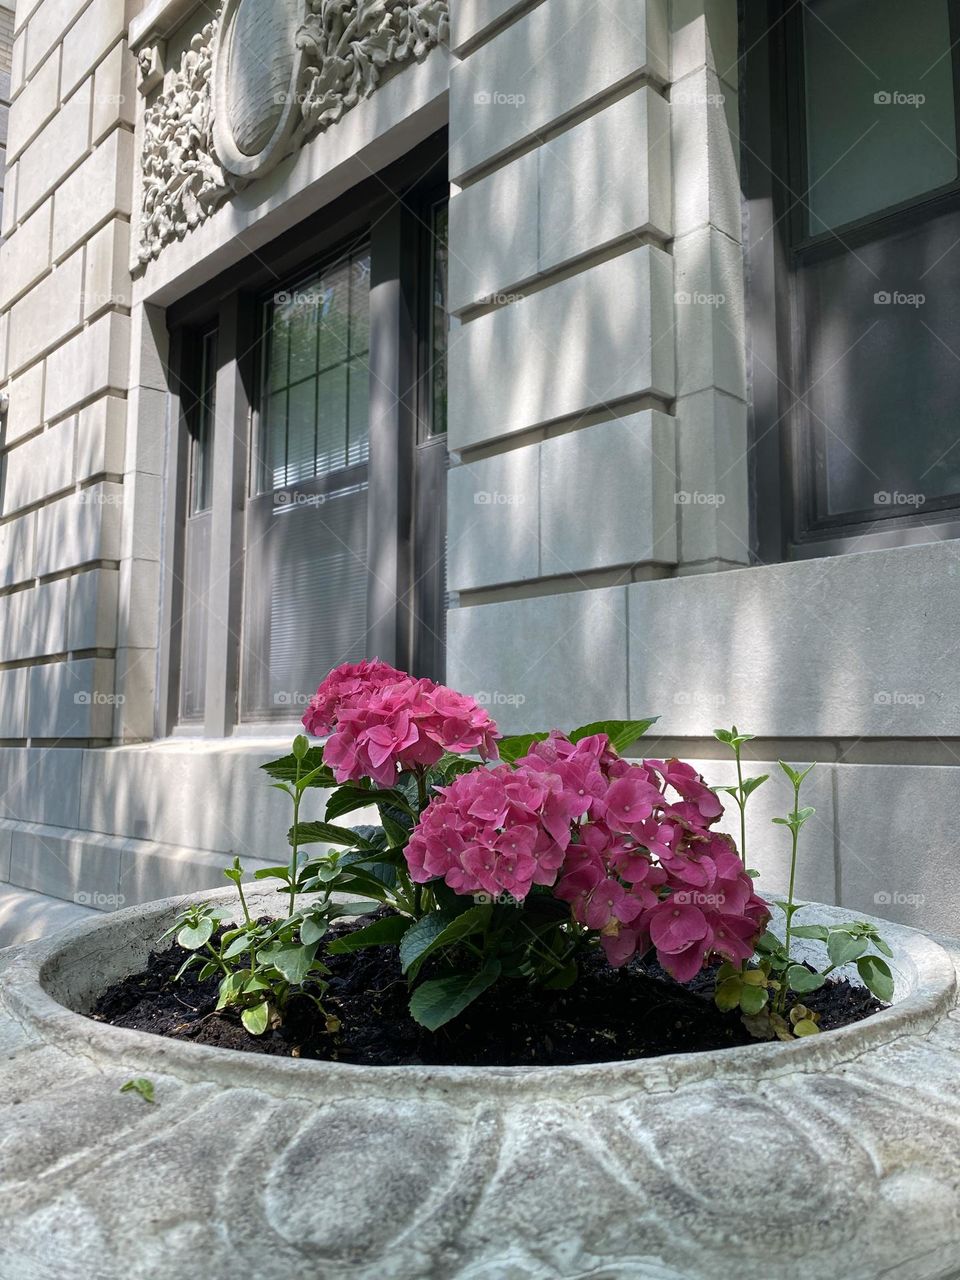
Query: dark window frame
x=388 y=209
x=784 y=524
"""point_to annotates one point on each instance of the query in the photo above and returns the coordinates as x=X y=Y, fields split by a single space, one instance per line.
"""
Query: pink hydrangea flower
x=403 y=725
x=637 y=867
x=687 y=782
x=342 y=687
x=482 y=838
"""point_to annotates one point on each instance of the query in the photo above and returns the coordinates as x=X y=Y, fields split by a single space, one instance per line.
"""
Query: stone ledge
x=26 y=915
x=104 y=873
x=157 y=18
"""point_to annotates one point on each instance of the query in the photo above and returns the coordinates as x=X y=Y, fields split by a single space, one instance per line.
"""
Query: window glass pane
x=334 y=311
x=439 y=322
x=358 y=418
x=276 y=438
x=879 y=106
x=303 y=334
x=306 y=575
x=332 y=419
x=196 y=543
x=882 y=375
x=315 y=337
x=277 y=330
x=201 y=451
x=302 y=431
x=360 y=304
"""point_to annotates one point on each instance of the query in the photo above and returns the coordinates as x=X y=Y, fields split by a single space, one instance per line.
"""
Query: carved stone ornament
x=256 y=82
x=182 y=181
x=150 y=67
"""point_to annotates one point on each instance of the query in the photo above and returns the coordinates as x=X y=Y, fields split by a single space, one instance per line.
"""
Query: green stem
x=249 y=922
x=742 y=802
x=294 y=855
x=216 y=956
x=795 y=834
x=243 y=903
x=407 y=898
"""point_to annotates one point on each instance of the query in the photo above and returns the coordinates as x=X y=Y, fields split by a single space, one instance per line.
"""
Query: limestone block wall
x=563 y=366
x=598 y=412
x=599 y=504
x=64 y=345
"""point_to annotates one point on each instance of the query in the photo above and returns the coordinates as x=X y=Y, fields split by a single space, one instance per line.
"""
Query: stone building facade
x=269 y=267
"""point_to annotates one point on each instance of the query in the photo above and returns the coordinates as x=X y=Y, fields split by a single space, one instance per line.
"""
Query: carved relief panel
x=261 y=78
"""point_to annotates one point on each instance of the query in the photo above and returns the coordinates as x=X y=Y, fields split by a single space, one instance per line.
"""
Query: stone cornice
x=157 y=18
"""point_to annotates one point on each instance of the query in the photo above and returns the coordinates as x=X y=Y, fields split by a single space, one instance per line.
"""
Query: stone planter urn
x=835 y=1156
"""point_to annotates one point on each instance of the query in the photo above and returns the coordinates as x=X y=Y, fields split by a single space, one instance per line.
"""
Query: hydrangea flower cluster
x=344 y=684
x=635 y=864
x=382 y=721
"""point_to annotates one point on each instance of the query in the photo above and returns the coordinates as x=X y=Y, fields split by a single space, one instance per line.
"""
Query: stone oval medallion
x=256 y=74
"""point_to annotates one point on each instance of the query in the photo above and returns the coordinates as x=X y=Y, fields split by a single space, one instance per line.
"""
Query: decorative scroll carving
x=191 y=159
x=182 y=181
x=349 y=43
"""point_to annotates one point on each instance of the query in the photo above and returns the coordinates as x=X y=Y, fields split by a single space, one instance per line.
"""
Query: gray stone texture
x=72 y=699
x=448 y=1172
x=26 y=915
x=92 y=363
x=898 y=843
x=804 y=649
x=522 y=514
x=588 y=341
x=713 y=500
x=710 y=332
x=471 y=20
x=607 y=495
x=500 y=97
x=553 y=661
x=600 y=182
x=79 y=528
x=494 y=527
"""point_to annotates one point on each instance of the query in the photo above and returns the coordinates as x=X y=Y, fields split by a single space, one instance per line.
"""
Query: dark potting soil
x=609 y=1015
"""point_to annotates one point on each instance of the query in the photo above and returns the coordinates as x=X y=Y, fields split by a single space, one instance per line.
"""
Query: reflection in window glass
x=439 y=322
x=879 y=106
x=314 y=400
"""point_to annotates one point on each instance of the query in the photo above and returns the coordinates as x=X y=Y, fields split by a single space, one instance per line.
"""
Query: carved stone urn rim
x=49 y=983
x=234 y=161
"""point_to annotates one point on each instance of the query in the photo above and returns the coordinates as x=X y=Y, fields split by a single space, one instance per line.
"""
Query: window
x=307 y=562
x=853 y=186
x=323 y=534
x=314 y=402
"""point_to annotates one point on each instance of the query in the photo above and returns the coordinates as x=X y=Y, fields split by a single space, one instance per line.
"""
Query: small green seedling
x=141 y=1086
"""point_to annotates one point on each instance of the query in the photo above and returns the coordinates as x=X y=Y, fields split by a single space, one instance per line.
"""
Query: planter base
x=656 y=1170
